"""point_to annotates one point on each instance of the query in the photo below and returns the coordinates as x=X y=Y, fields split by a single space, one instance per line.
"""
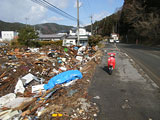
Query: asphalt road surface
x=127 y=94
x=148 y=58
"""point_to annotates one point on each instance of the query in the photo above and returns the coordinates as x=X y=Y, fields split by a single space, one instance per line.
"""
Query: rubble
x=25 y=71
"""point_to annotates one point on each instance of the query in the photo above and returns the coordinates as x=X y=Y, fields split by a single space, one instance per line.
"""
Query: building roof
x=51 y=35
x=83 y=39
x=72 y=37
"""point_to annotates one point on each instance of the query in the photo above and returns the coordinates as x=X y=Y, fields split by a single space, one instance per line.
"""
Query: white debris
x=34 y=49
x=40 y=111
x=96 y=97
x=83 y=48
x=70 y=83
x=55 y=71
x=63 y=68
x=126 y=54
x=8 y=114
x=64 y=59
x=54 y=64
x=95 y=115
x=7 y=98
x=17 y=102
x=19 y=87
x=28 y=78
x=37 y=88
x=80 y=58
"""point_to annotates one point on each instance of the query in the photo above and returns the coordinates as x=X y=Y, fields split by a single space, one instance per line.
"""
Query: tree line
x=138 y=21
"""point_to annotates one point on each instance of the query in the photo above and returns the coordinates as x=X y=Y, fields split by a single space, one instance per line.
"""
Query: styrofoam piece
x=36 y=88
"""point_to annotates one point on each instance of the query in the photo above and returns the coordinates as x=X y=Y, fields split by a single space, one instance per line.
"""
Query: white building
x=8 y=35
x=73 y=31
x=114 y=36
x=72 y=38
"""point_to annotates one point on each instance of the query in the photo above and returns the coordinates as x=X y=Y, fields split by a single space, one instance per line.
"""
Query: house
x=51 y=37
x=83 y=37
x=73 y=31
x=63 y=32
x=72 y=38
x=8 y=35
x=114 y=36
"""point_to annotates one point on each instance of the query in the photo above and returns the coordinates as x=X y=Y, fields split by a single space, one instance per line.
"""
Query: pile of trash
x=46 y=83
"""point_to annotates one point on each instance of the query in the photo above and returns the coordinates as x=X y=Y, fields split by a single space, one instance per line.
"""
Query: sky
x=27 y=11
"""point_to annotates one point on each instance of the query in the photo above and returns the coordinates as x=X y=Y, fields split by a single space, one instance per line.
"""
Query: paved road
x=148 y=58
x=126 y=94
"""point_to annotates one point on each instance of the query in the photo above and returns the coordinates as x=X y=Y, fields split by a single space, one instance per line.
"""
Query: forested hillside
x=138 y=21
x=50 y=28
x=107 y=25
x=46 y=28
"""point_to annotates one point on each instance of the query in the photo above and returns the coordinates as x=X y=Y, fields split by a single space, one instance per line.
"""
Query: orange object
x=16 y=50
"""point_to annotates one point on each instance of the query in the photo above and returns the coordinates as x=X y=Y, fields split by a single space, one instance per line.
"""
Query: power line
x=60 y=10
x=55 y=9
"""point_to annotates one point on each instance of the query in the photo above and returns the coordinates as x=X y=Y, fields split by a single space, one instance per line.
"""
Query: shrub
x=57 y=43
x=94 y=40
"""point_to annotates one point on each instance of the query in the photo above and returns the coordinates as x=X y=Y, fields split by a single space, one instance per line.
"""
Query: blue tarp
x=63 y=77
x=75 y=48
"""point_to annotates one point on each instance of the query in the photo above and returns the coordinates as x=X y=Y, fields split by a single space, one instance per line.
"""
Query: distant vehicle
x=117 y=41
x=111 y=40
x=115 y=37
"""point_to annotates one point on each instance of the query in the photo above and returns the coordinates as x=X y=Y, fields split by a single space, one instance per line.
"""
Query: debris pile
x=47 y=83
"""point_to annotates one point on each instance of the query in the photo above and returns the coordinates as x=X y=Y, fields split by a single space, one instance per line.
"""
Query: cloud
x=52 y=19
x=18 y=10
x=75 y=4
x=60 y=3
x=100 y=15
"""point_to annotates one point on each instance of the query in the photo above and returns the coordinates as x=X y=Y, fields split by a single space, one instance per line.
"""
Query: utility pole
x=91 y=26
x=96 y=27
x=78 y=21
x=26 y=20
x=113 y=28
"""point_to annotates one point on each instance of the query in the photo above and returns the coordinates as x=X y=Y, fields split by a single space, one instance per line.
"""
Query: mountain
x=6 y=26
x=46 y=28
x=50 y=28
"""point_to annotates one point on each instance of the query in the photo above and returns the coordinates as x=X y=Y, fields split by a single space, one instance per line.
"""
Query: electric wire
x=55 y=9
x=46 y=5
